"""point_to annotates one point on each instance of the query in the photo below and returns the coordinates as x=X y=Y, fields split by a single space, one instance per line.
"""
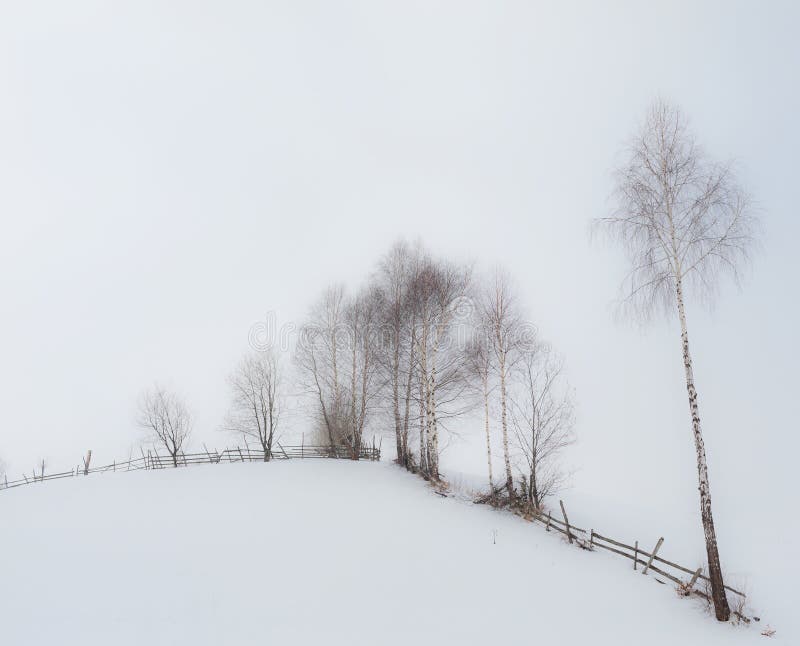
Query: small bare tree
x=255 y=407
x=543 y=417
x=165 y=416
x=684 y=221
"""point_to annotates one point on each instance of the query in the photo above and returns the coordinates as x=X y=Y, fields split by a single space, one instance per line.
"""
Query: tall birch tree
x=502 y=323
x=395 y=277
x=438 y=289
x=479 y=363
x=684 y=221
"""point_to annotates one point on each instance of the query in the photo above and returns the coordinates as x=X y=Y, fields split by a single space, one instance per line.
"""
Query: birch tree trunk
x=406 y=413
x=721 y=607
x=428 y=424
x=423 y=464
x=423 y=401
x=684 y=220
x=433 y=431
x=488 y=440
x=504 y=424
x=401 y=457
x=362 y=416
x=353 y=415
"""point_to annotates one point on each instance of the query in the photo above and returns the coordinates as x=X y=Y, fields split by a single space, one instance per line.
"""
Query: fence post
x=694 y=579
x=591 y=538
x=566 y=520
x=653 y=555
x=86 y=462
x=549 y=518
x=635 y=555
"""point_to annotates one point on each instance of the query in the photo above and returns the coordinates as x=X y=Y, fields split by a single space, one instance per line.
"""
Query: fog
x=173 y=173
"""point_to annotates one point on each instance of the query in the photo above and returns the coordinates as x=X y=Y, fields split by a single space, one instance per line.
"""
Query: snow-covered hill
x=310 y=552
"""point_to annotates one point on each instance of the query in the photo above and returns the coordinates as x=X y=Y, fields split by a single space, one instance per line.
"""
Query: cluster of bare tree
x=256 y=404
x=510 y=362
x=424 y=342
x=336 y=357
x=683 y=220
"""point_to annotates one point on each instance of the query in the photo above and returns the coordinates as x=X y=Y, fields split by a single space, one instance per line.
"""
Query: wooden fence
x=589 y=540
x=648 y=560
x=152 y=459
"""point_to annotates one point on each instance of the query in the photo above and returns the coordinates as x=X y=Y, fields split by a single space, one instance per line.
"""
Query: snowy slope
x=309 y=552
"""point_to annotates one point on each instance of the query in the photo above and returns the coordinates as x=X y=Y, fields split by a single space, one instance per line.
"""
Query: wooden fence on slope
x=586 y=539
x=152 y=459
x=648 y=560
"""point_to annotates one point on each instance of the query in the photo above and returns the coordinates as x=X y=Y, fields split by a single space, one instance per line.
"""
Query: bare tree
x=319 y=354
x=438 y=289
x=684 y=221
x=543 y=417
x=165 y=416
x=337 y=357
x=503 y=324
x=396 y=275
x=362 y=317
x=255 y=406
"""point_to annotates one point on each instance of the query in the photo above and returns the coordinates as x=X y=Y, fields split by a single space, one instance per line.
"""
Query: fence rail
x=152 y=459
x=590 y=539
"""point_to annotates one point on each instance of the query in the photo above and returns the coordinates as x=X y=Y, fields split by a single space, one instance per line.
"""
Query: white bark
x=712 y=549
x=684 y=221
x=502 y=322
x=488 y=434
x=504 y=422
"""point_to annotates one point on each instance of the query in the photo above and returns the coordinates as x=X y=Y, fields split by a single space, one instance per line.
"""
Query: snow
x=757 y=538
x=308 y=552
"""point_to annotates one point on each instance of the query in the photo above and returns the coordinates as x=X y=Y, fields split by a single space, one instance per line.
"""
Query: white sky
x=172 y=171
